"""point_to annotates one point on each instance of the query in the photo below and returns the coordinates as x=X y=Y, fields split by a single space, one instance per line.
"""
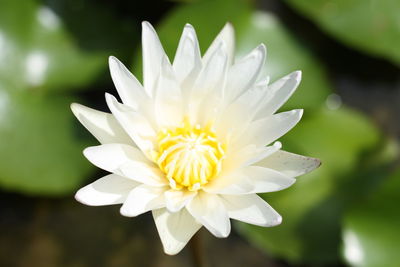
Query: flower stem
x=196 y=251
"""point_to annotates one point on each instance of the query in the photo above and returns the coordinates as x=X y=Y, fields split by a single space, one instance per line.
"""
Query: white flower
x=190 y=143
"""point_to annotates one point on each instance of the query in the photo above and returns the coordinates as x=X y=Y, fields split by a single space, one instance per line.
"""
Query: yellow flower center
x=190 y=156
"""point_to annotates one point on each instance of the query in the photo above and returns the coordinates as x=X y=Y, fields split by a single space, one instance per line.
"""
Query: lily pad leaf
x=41 y=144
x=37 y=53
x=371 y=26
x=371 y=233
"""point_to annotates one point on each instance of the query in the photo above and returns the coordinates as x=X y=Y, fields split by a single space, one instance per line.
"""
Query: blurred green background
x=347 y=213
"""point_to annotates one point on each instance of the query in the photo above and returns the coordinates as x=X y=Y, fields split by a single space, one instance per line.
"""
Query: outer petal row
x=212 y=211
x=278 y=93
x=129 y=88
x=109 y=190
x=290 y=164
x=135 y=124
x=102 y=125
x=264 y=131
x=258 y=102
x=175 y=229
x=126 y=161
x=249 y=180
x=142 y=199
x=251 y=209
x=209 y=210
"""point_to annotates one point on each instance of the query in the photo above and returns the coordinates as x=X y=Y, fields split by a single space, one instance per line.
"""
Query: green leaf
x=311 y=209
x=371 y=233
x=372 y=26
x=41 y=148
x=41 y=145
x=37 y=53
x=285 y=54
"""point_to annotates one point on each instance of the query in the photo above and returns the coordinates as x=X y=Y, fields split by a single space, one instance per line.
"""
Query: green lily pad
x=285 y=54
x=311 y=209
x=37 y=53
x=41 y=148
x=371 y=26
x=371 y=233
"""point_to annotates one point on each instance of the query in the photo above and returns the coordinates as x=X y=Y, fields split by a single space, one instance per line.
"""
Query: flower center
x=190 y=156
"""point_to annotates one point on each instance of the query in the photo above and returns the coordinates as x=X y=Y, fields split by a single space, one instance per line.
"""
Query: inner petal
x=189 y=155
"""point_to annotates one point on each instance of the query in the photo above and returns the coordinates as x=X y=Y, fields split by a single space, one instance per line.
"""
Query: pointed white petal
x=279 y=93
x=248 y=155
x=142 y=199
x=168 y=99
x=135 y=124
x=102 y=125
x=209 y=210
x=175 y=229
x=187 y=58
x=143 y=173
x=129 y=89
x=207 y=92
x=212 y=75
x=227 y=35
x=290 y=164
x=153 y=54
x=177 y=199
x=251 y=209
x=110 y=157
x=249 y=180
x=244 y=73
x=264 y=131
x=235 y=118
x=109 y=190
x=126 y=161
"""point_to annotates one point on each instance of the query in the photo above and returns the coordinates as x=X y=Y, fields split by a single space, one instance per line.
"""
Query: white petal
x=249 y=180
x=143 y=173
x=135 y=124
x=279 y=93
x=109 y=190
x=153 y=54
x=102 y=125
x=129 y=89
x=235 y=118
x=209 y=210
x=175 y=229
x=227 y=35
x=245 y=72
x=264 y=131
x=142 y=199
x=177 y=199
x=251 y=209
x=290 y=164
x=212 y=74
x=110 y=157
x=248 y=155
x=126 y=161
x=187 y=58
x=168 y=99
x=207 y=91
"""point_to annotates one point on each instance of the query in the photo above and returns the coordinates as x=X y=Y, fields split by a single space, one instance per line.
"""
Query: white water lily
x=194 y=143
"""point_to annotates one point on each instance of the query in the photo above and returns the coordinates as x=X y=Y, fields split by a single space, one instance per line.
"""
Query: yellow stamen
x=190 y=156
